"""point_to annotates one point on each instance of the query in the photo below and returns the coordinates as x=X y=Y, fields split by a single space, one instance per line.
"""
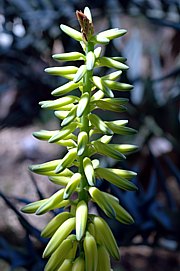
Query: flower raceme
x=80 y=240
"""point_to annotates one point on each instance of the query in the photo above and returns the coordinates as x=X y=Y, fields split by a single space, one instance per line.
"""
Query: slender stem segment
x=87 y=85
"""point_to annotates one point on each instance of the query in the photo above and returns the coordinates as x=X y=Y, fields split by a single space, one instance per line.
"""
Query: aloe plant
x=81 y=240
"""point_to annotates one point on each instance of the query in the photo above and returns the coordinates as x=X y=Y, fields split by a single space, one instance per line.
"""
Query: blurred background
x=29 y=35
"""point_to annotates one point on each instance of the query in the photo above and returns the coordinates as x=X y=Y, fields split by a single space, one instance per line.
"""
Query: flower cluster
x=80 y=240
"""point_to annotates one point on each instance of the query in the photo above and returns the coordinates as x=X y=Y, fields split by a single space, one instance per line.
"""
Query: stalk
x=87 y=84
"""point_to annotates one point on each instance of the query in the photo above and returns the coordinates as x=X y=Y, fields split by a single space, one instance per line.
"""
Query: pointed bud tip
x=62 y=26
x=58 y=169
x=31 y=168
x=65 y=196
x=23 y=209
x=55 y=56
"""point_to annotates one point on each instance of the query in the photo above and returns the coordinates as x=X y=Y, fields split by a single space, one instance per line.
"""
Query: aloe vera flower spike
x=80 y=240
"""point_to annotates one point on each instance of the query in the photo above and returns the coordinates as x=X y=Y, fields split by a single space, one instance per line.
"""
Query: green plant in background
x=81 y=240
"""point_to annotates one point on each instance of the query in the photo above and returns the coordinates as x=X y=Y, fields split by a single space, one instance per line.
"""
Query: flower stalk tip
x=86 y=24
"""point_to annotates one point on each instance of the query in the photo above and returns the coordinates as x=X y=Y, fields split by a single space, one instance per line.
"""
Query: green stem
x=87 y=85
